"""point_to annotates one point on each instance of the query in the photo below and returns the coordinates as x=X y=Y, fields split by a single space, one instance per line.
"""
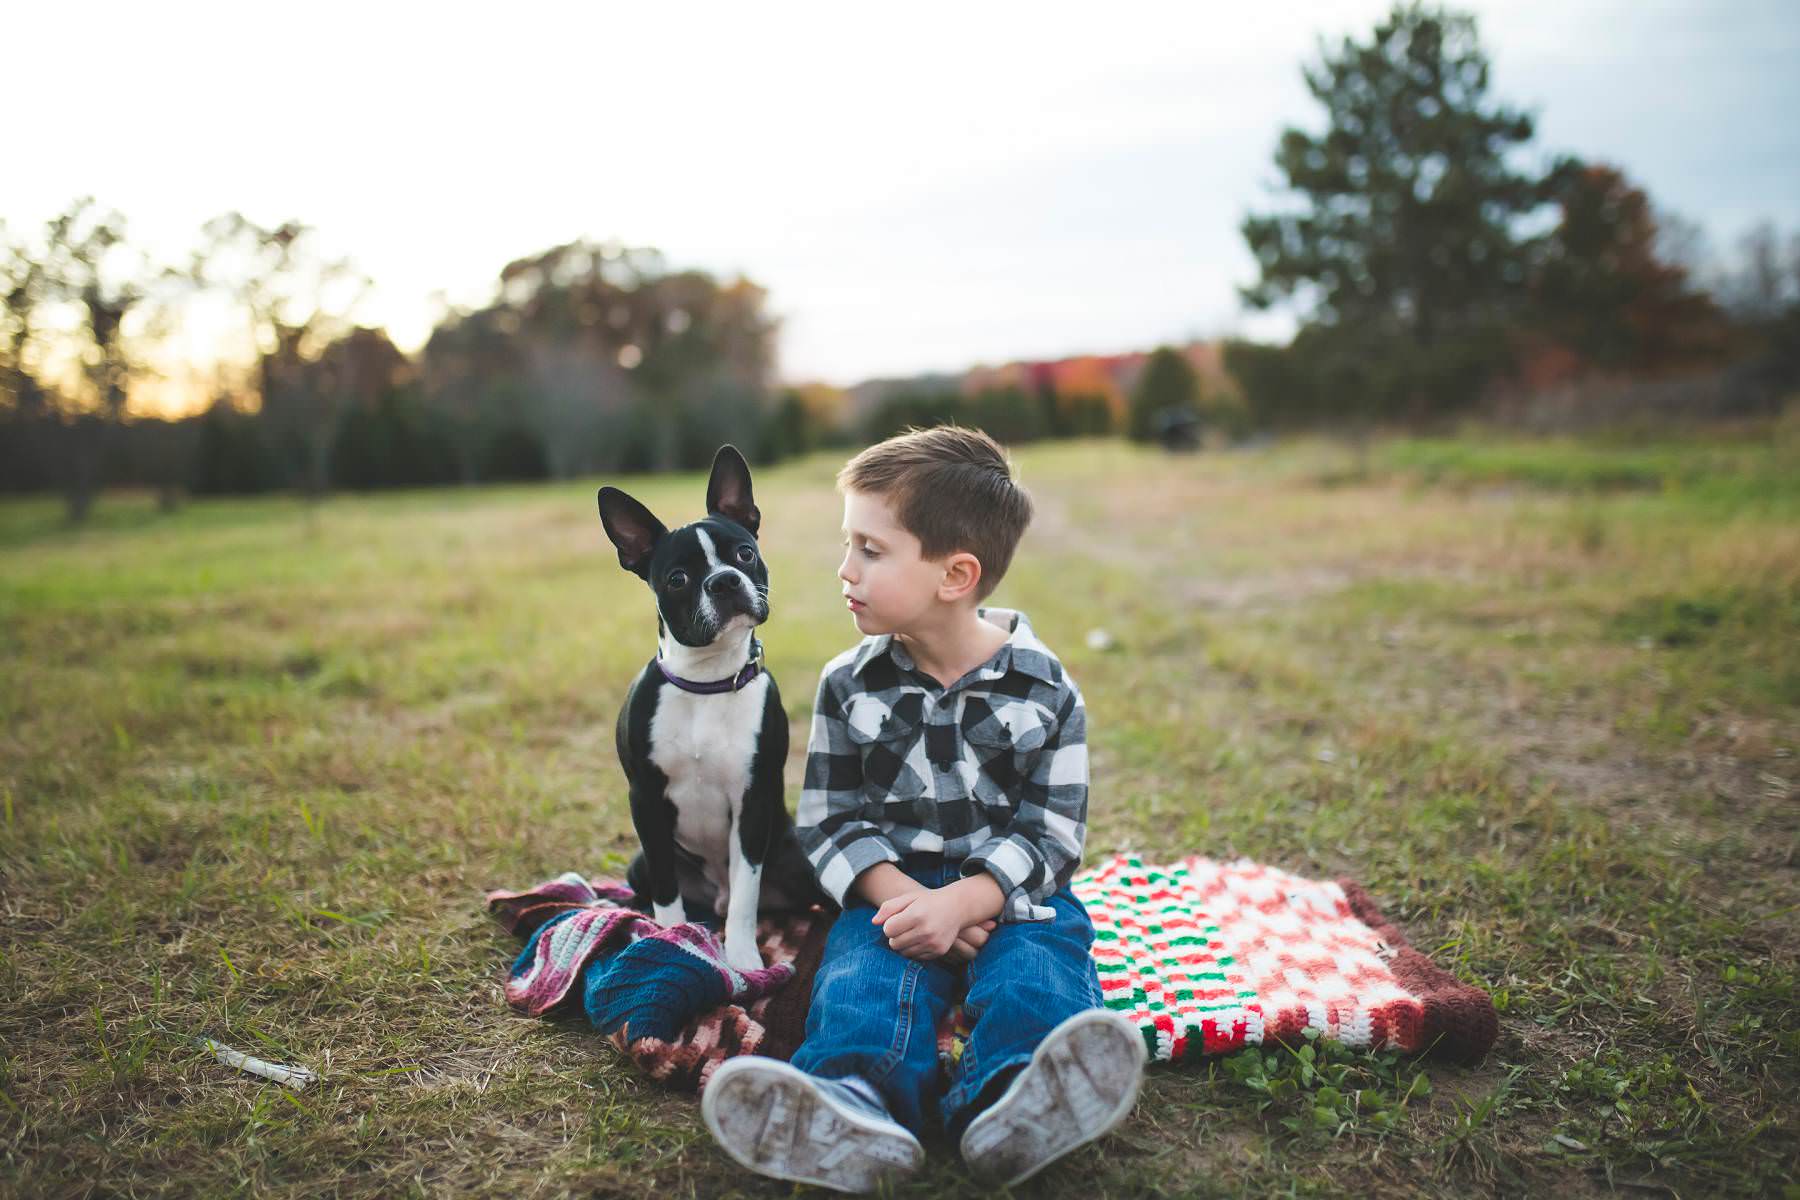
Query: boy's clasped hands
x=949 y=922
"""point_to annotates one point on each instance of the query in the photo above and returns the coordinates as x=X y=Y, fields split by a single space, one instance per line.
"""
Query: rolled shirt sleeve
x=838 y=842
x=1040 y=849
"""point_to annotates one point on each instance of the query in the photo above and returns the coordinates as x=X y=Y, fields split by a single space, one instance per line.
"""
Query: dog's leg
x=756 y=822
x=652 y=813
x=668 y=913
x=654 y=817
x=671 y=914
x=740 y=910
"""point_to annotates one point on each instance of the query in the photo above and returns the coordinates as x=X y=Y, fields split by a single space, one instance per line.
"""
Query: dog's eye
x=677 y=580
x=746 y=555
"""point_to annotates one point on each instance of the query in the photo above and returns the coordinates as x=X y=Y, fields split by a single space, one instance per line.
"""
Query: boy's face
x=889 y=586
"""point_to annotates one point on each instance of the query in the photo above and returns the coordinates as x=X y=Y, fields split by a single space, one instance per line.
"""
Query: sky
x=920 y=187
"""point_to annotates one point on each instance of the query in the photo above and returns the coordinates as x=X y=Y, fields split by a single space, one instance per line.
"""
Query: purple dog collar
x=714 y=686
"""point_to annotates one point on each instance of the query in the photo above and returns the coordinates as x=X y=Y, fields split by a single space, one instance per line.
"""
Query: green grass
x=1735 y=472
x=259 y=762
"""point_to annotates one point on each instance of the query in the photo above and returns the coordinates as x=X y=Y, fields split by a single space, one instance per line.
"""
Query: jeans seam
x=968 y=1063
x=903 y=1027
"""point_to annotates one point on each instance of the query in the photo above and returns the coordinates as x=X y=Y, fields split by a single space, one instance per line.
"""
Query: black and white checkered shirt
x=991 y=771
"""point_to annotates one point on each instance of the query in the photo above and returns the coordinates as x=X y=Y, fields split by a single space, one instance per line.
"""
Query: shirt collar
x=1022 y=651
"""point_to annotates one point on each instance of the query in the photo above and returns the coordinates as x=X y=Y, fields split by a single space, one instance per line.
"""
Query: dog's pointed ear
x=632 y=528
x=728 y=491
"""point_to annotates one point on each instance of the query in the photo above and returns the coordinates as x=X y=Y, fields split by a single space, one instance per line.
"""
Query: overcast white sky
x=920 y=187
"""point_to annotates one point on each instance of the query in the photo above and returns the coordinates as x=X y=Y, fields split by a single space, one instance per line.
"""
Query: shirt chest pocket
x=884 y=738
x=1008 y=745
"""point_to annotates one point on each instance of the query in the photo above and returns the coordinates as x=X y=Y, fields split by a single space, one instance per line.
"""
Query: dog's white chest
x=704 y=744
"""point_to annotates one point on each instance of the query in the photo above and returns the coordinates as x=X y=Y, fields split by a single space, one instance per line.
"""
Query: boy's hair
x=953 y=489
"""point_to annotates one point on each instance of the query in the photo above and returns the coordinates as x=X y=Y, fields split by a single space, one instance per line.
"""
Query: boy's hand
x=921 y=924
x=927 y=923
x=969 y=942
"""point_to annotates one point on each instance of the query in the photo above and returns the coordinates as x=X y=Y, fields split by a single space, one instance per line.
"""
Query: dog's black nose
x=723 y=582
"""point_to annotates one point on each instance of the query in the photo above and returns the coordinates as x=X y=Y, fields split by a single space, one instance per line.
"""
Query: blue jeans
x=875 y=1013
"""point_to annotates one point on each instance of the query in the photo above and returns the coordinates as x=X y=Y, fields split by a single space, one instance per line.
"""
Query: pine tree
x=1169 y=387
x=1406 y=246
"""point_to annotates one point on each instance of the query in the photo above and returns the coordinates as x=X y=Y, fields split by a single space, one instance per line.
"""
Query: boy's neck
x=948 y=650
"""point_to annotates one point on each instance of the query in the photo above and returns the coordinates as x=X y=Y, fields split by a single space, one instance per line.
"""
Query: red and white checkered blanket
x=1206 y=957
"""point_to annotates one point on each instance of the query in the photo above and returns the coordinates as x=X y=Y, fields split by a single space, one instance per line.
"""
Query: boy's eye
x=746 y=555
x=677 y=580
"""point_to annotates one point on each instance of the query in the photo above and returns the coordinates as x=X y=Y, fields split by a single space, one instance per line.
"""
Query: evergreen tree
x=1168 y=389
x=1407 y=243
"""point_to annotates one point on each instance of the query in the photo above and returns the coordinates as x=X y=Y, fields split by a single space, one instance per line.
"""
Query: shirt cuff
x=1016 y=866
x=867 y=849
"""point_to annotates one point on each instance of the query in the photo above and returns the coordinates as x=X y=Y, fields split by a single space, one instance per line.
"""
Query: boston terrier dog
x=703 y=737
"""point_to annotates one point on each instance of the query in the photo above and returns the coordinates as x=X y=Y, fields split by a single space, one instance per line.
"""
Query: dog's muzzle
x=731 y=592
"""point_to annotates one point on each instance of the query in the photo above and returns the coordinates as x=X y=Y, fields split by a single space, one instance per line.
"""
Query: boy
x=944 y=807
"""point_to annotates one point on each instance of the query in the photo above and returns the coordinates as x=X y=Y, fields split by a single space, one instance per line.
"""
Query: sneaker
x=1081 y=1081
x=781 y=1122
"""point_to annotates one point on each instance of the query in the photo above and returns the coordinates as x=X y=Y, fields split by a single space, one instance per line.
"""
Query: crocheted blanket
x=1204 y=957
x=664 y=996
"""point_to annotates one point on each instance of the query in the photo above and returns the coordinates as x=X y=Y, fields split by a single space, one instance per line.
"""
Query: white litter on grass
x=292 y=1076
x=1099 y=639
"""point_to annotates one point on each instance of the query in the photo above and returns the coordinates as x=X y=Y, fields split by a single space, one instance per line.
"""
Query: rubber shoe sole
x=1081 y=1082
x=776 y=1120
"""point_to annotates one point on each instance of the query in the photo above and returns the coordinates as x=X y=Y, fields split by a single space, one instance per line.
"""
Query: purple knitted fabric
x=656 y=978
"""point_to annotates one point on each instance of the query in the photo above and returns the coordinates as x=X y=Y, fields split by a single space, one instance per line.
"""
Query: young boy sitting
x=944 y=807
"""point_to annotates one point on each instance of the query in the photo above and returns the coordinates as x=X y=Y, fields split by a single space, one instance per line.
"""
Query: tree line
x=591 y=357
x=1434 y=271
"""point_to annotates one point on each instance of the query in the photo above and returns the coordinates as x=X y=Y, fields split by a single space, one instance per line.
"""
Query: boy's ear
x=728 y=491
x=962 y=573
x=632 y=528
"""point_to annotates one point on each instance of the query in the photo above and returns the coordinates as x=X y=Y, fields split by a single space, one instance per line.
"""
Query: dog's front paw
x=743 y=955
x=670 y=915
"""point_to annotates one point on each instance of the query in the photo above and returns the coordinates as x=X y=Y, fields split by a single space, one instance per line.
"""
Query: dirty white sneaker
x=1081 y=1081
x=779 y=1121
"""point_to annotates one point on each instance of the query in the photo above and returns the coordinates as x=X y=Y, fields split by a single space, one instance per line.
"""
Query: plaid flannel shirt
x=991 y=771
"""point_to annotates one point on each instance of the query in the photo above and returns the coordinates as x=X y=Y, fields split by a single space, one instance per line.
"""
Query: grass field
x=259 y=763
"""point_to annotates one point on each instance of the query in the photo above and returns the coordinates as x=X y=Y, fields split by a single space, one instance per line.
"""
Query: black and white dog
x=703 y=737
